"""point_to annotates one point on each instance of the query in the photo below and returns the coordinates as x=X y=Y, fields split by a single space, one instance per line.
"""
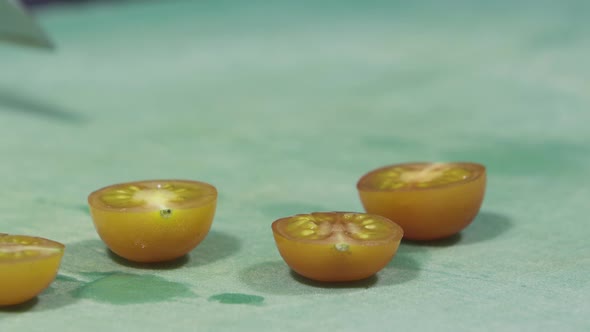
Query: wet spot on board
x=237 y=298
x=125 y=288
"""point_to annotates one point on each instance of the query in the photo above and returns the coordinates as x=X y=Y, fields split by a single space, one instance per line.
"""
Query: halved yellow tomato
x=336 y=246
x=28 y=265
x=153 y=221
x=429 y=200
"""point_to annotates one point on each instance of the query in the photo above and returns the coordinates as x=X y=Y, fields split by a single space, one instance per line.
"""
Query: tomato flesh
x=336 y=246
x=429 y=200
x=28 y=265
x=153 y=221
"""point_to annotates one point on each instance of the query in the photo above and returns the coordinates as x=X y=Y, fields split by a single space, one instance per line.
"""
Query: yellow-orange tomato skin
x=145 y=235
x=323 y=262
x=23 y=278
x=429 y=213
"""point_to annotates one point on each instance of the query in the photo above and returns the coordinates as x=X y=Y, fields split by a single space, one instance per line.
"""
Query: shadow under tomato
x=404 y=267
x=275 y=277
x=87 y=256
x=486 y=226
x=446 y=242
x=93 y=256
x=216 y=246
x=364 y=283
x=168 y=265
x=21 y=307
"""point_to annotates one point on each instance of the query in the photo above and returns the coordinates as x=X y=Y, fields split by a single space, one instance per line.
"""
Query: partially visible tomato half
x=336 y=246
x=28 y=265
x=429 y=200
x=155 y=220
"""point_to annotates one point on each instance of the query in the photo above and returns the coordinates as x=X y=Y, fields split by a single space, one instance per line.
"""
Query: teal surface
x=283 y=107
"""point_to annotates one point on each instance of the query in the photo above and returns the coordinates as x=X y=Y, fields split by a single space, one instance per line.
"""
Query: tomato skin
x=321 y=261
x=428 y=213
x=324 y=263
x=146 y=236
x=21 y=279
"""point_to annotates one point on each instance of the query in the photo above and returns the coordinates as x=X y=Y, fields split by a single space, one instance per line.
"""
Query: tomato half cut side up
x=336 y=246
x=154 y=220
x=28 y=265
x=428 y=200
